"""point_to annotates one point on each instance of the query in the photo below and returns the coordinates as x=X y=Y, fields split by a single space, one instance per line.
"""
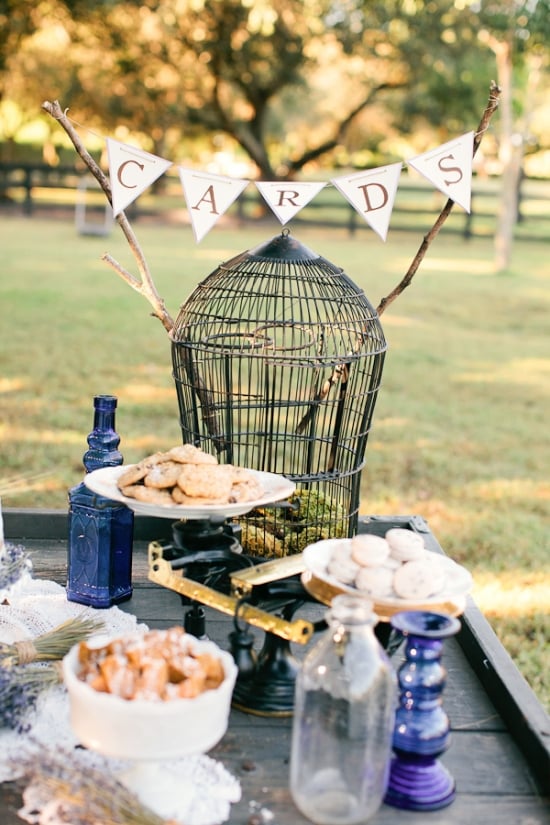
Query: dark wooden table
x=500 y=748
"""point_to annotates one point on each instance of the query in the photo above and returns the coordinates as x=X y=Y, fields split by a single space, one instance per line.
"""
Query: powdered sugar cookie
x=418 y=579
x=368 y=550
x=405 y=545
x=376 y=581
x=341 y=565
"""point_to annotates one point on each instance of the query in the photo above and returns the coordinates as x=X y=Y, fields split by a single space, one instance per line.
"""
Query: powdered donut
x=369 y=551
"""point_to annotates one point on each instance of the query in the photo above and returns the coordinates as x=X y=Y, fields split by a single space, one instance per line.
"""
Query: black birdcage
x=277 y=359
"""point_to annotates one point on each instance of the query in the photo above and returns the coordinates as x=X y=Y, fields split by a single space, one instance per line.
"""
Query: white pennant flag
x=131 y=171
x=208 y=196
x=372 y=194
x=287 y=199
x=449 y=168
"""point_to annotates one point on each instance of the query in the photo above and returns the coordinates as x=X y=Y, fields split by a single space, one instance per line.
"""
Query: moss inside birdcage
x=307 y=517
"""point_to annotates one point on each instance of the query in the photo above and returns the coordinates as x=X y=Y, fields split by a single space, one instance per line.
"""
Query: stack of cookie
x=186 y=475
x=397 y=565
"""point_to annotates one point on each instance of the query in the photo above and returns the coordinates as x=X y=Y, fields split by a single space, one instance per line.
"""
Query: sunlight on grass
x=513 y=593
x=144 y=393
x=400 y=321
x=475 y=266
x=38 y=436
x=11 y=384
x=516 y=489
x=528 y=371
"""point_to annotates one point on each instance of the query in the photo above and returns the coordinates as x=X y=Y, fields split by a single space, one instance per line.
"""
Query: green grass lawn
x=460 y=427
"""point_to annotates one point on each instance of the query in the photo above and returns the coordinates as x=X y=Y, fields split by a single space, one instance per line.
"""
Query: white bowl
x=144 y=730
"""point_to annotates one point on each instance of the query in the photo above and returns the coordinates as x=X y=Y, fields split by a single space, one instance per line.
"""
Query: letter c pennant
x=131 y=171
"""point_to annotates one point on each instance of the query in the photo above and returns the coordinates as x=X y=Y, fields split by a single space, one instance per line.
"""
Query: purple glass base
x=419 y=786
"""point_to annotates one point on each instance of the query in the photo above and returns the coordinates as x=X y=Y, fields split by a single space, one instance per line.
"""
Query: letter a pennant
x=207 y=197
x=287 y=199
x=449 y=168
x=131 y=171
x=372 y=194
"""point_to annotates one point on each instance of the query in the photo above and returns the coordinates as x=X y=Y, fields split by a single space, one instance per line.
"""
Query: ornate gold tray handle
x=161 y=572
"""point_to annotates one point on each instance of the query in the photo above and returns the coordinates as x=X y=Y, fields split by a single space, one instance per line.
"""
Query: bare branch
x=145 y=284
x=492 y=105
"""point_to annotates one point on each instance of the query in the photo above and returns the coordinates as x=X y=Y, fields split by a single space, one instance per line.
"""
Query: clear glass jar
x=344 y=716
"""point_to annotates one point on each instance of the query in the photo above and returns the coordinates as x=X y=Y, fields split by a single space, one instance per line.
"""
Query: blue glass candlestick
x=99 y=563
x=418 y=780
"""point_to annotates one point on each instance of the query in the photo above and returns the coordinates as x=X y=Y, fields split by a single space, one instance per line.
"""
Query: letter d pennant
x=372 y=194
x=131 y=171
x=449 y=168
x=207 y=197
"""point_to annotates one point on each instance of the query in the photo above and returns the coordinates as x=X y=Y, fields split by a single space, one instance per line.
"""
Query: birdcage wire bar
x=277 y=361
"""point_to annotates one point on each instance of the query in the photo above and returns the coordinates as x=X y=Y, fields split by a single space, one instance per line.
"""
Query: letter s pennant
x=372 y=194
x=131 y=171
x=449 y=168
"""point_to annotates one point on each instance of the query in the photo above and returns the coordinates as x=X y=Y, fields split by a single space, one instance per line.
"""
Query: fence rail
x=31 y=187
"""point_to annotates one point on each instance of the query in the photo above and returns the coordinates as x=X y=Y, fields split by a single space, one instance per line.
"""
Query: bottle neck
x=103 y=441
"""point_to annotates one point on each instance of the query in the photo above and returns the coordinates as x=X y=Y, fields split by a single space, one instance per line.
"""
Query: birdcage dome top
x=281 y=299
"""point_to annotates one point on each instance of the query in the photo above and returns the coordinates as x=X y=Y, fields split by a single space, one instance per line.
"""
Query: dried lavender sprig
x=20 y=688
x=14 y=563
x=60 y=776
x=52 y=645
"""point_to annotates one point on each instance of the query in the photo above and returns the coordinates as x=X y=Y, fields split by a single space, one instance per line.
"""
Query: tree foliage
x=287 y=81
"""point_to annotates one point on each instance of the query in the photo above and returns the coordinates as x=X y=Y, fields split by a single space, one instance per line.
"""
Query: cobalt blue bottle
x=99 y=562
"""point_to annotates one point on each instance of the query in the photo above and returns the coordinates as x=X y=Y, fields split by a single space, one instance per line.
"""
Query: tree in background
x=291 y=83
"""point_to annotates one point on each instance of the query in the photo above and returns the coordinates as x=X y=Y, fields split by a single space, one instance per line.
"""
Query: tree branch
x=145 y=284
x=341 y=129
x=492 y=105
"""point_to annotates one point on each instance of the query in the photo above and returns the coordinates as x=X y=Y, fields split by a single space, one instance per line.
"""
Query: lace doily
x=39 y=605
x=36 y=607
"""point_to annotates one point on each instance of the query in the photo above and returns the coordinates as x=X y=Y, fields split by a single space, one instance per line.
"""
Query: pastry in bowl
x=157 y=695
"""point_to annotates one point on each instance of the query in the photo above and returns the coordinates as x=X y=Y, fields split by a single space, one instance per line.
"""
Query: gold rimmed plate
x=451 y=599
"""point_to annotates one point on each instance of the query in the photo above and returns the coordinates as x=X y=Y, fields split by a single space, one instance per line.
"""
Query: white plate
x=458 y=581
x=275 y=487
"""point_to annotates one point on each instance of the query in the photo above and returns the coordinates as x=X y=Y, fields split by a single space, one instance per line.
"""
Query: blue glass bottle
x=99 y=563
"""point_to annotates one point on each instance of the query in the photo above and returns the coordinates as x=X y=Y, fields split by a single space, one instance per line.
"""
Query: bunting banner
x=449 y=168
x=131 y=172
x=287 y=199
x=207 y=197
x=370 y=192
